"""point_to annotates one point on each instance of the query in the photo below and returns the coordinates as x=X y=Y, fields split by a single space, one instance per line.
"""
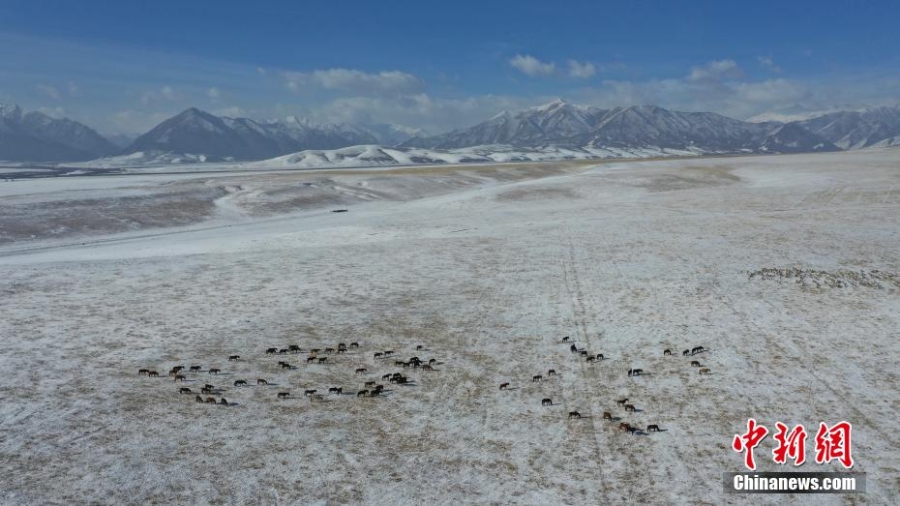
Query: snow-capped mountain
x=559 y=123
x=36 y=137
x=197 y=132
x=858 y=129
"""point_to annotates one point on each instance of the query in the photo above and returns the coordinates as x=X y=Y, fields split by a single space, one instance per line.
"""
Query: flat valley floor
x=786 y=268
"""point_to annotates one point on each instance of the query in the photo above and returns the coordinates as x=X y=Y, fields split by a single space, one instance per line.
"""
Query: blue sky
x=124 y=66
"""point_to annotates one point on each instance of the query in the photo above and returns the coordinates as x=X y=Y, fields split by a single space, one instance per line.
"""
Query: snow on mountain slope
x=36 y=137
x=858 y=129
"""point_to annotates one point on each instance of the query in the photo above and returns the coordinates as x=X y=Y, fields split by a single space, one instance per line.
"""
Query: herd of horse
x=370 y=388
x=632 y=372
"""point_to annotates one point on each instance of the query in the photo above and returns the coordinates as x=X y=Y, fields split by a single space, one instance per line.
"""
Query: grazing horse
x=293 y=348
x=630 y=407
x=373 y=393
x=208 y=386
x=379 y=388
x=205 y=390
x=210 y=400
x=143 y=372
x=283 y=395
x=653 y=428
x=622 y=402
x=624 y=426
x=378 y=354
x=591 y=358
x=504 y=386
x=260 y=381
x=574 y=414
x=418 y=347
x=195 y=368
x=546 y=401
x=310 y=359
x=283 y=351
x=607 y=415
x=335 y=390
x=573 y=348
x=152 y=374
x=427 y=368
x=401 y=380
x=697 y=349
x=323 y=360
x=685 y=353
x=233 y=358
x=388 y=353
x=386 y=376
x=179 y=377
x=214 y=371
x=667 y=352
x=695 y=363
x=362 y=393
x=309 y=392
x=632 y=430
x=354 y=345
x=704 y=370
x=551 y=372
x=537 y=377
x=369 y=384
x=198 y=399
x=565 y=339
x=173 y=371
x=271 y=351
x=223 y=402
x=184 y=390
x=399 y=362
x=240 y=383
x=583 y=353
x=285 y=365
x=432 y=361
x=361 y=370
x=342 y=346
x=635 y=372
x=329 y=350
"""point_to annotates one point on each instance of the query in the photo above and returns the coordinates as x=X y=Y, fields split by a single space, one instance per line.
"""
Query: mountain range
x=557 y=126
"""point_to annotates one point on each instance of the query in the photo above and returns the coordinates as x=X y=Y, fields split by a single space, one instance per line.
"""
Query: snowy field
x=485 y=267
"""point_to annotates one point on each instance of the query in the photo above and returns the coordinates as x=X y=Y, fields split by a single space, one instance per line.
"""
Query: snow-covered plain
x=487 y=267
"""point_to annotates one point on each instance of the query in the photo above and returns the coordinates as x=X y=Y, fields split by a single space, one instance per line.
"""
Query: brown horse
x=205 y=390
x=574 y=414
x=695 y=363
x=240 y=383
x=653 y=428
x=704 y=370
x=427 y=368
x=546 y=401
x=184 y=390
x=667 y=352
x=591 y=358
x=362 y=393
x=388 y=353
x=283 y=395
x=323 y=360
x=504 y=386
x=179 y=377
x=329 y=350
x=361 y=370
x=378 y=354
x=624 y=426
x=196 y=368
x=418 y=347
x=309 y=392
x=622 y=402
x=630 y=407
x=369 y=384
x=271 y=351
x=152 y=374
x=310 y=359
x=198 y=399
x=223 y=402
x=261 y=381
x=210 y=400
x=607 y=415
x=214 y=371
x=386 y=376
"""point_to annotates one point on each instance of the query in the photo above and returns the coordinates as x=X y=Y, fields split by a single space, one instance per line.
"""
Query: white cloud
x=213 y=93
x=768 y=64
x=531 y=66
x=49 y=90
x=581 y=70
x=165 y=93
x=232 y=112
x=386 y=82
x=716 y=70
x=53 y=112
